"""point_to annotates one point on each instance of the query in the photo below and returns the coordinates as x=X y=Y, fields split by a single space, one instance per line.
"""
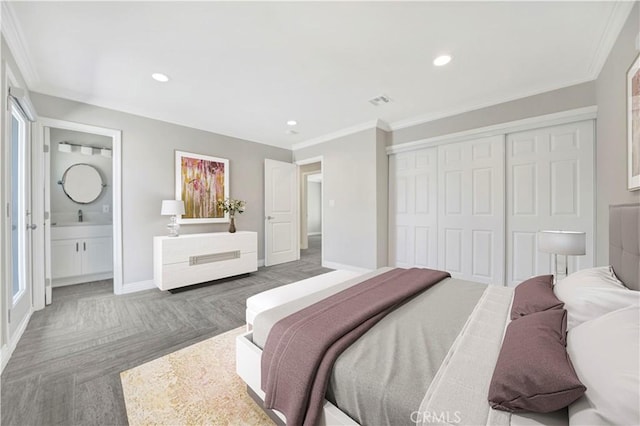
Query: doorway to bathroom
x=82 y=208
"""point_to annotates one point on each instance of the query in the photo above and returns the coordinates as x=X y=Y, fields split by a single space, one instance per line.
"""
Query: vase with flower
x=232 y=207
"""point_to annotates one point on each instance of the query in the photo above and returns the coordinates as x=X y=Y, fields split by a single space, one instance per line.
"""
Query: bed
x=445 y=357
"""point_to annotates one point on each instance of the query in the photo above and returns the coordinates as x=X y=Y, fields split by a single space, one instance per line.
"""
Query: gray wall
x=352 y=182
x=611 y=141
x=148 y=175
x=314 y=207
x=578 y=96
x=62 y=208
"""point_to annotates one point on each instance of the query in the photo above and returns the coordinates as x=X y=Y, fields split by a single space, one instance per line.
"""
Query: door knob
x=270 y=217
x=33 y=226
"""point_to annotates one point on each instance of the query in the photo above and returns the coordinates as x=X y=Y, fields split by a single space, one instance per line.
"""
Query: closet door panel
x=471 y=209
x=453 y=256
x=564 y=187
x=524 y=189
x=413 y=214
x=524 y=244
x=482 y=246
x=550 y=185
x=401 y=252
x=423 y=249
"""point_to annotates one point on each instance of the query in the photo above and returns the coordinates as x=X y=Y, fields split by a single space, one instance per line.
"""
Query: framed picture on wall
x=201 y=181
x=633 y=125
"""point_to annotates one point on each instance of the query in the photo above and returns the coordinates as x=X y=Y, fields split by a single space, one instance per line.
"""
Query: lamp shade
x=172 y=208
x=562 y=242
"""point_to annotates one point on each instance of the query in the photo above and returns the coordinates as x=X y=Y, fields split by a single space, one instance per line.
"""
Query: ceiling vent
x=380 y=100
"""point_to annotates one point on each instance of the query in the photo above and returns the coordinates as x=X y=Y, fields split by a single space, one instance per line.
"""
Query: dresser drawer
x=182 y=274
x=177 y=250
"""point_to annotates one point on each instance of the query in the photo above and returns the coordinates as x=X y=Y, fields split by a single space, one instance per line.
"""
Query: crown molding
x=616 y=21
x=380 y=124
x=15 y=40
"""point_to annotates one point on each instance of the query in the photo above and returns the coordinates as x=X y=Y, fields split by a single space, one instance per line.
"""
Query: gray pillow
x=534 y=295
x=533 y=371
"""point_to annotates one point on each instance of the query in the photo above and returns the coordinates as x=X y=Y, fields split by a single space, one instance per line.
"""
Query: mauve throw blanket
x=301 y=349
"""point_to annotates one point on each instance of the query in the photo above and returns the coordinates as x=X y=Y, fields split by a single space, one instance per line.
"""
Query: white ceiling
x=244 y=68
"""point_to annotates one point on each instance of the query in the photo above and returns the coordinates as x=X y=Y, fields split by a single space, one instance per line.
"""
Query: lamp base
x=173 y=227
x=561 y=270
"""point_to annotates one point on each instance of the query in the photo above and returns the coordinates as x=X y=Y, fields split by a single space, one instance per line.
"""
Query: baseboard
x=311 y=234
x=61 y=282
x=137 y=286
x=260 y=263
x=7 y=350
x=335 y=265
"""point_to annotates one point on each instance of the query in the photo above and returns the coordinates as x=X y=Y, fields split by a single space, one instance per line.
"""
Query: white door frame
x=116 y=164
x=318 y=159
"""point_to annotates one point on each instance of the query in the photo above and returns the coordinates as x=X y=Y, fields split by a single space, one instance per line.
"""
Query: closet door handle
x=84 y=246
x=77 y=246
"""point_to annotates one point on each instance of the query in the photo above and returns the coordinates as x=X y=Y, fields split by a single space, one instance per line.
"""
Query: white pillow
x=605 y=353
x=591 y=293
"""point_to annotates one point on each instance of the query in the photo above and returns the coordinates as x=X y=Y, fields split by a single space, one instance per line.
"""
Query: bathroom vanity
x=81 y=252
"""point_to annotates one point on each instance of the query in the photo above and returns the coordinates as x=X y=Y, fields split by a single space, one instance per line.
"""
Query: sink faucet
x=79 y=215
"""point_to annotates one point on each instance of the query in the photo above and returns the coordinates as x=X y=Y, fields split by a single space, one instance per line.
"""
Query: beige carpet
x=196 y=385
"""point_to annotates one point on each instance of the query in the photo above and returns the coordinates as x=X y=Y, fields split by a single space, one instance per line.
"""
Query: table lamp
x=567 y=243
x=173 y=208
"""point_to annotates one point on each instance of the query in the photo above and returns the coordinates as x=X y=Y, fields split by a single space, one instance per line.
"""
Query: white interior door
x=550 y=186
x=413 y=209
x=281 y=212
x=471 y=209
x=20 y=223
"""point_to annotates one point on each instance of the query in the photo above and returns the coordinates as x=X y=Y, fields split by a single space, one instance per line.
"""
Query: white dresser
x=197 y=258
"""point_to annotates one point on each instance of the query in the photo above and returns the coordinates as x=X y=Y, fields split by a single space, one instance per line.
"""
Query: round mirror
x=82 y=183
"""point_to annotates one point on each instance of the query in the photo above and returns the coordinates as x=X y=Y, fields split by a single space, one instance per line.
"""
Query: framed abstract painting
x=633 y=126
x=201 y=181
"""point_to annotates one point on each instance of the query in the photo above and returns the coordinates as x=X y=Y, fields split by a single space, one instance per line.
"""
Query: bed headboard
x=624 y=243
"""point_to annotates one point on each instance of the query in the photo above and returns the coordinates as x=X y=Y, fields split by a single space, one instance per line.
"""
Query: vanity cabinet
x=197 y=258
x=81 y=254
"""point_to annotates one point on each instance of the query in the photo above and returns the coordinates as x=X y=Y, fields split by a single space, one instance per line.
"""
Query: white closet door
x=550 y=186
x=413 y=199
x=471 y=209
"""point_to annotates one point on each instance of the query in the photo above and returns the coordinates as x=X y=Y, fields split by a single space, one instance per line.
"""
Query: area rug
x=197 y=385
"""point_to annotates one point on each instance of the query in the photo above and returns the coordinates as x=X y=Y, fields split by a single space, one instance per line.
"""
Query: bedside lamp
x=567 y=243
x=173 y=208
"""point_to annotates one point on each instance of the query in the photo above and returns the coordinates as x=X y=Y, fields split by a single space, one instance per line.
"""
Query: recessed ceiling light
x=292 y=123
x=158 y=76
x=442 y=60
